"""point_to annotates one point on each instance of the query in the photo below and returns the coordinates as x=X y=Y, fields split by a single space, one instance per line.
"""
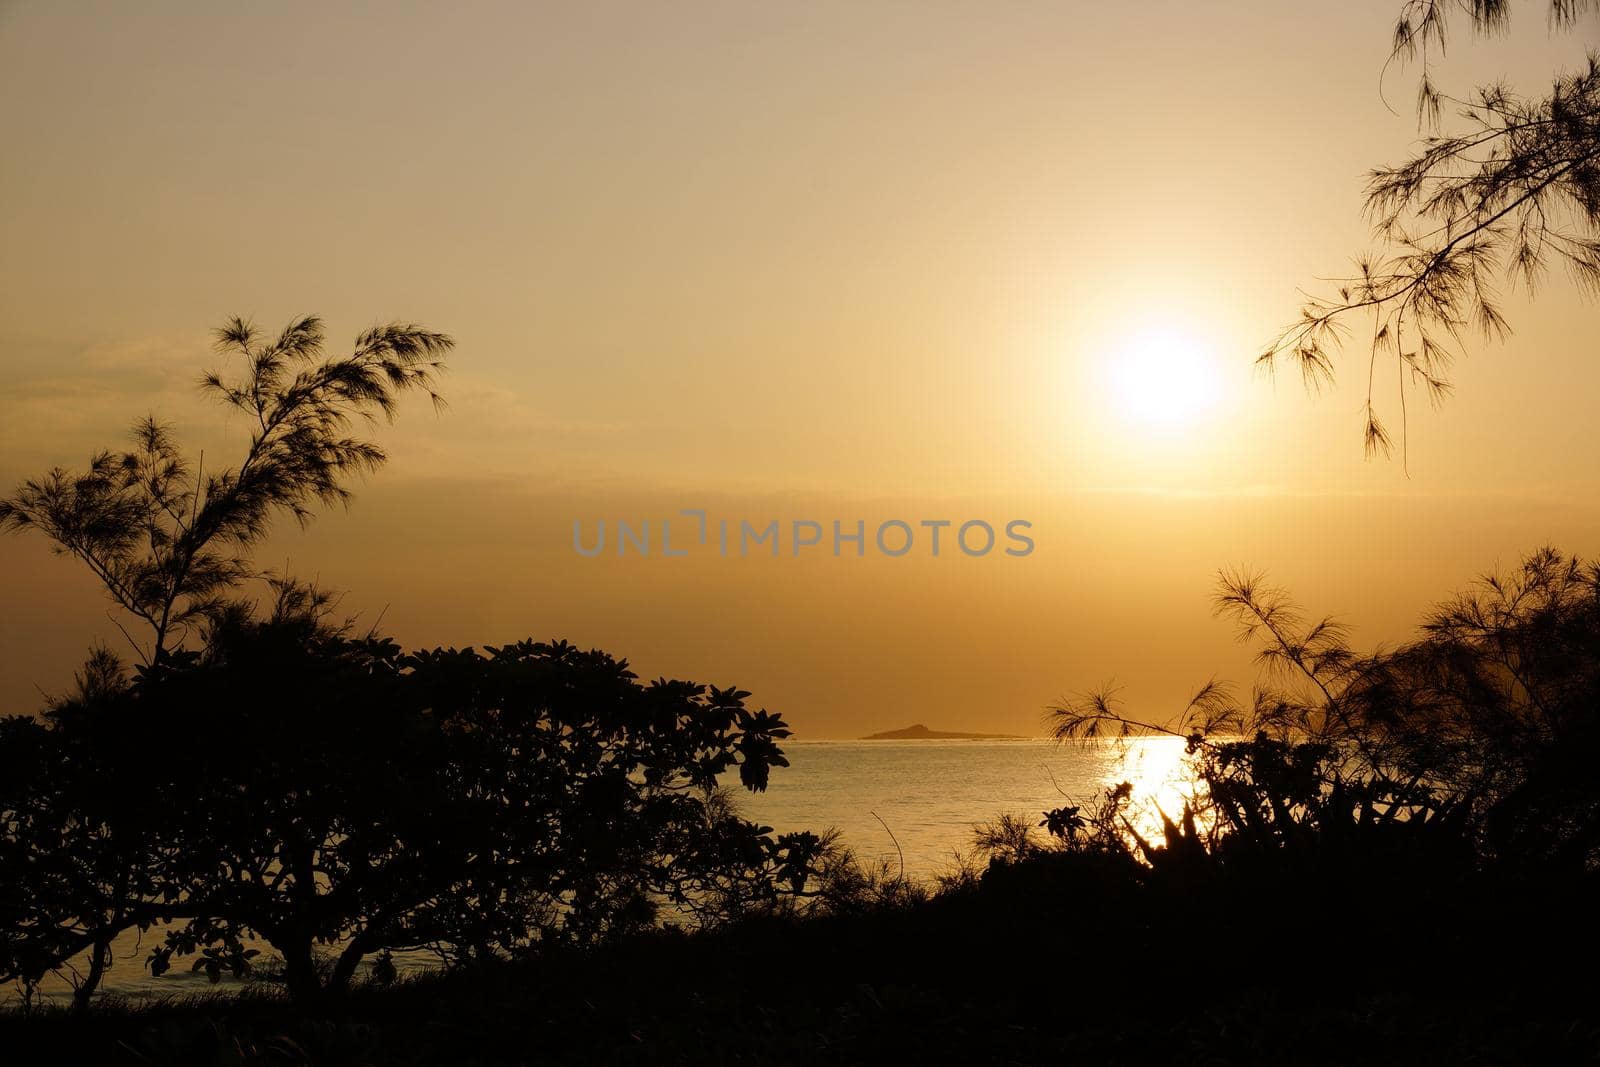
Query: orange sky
x=787 y=261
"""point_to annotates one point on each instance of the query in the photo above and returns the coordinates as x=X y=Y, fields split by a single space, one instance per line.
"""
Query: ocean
x=902 y=802
x=921 y=799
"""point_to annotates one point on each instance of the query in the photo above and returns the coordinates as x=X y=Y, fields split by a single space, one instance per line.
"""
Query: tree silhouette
x=289 y=781
x=1498 y=192
x=1487 y=722
x=168 y=539
x=338 y=799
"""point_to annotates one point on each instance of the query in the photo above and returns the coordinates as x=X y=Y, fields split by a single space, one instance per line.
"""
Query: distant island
x=920 y=732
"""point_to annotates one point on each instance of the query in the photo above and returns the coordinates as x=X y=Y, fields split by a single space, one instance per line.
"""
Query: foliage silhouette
x=1369 y=837
x=167 y=538
x=1476 y=740
x=318 y=789
x=1513 y=185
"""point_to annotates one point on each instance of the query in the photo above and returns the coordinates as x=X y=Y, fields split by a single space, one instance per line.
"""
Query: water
x=930 y=794
x=927 y=794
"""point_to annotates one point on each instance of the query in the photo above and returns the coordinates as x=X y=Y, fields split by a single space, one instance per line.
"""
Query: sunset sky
x=802 y=261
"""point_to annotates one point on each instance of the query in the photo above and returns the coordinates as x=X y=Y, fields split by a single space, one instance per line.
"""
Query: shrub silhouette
x=1473 y=744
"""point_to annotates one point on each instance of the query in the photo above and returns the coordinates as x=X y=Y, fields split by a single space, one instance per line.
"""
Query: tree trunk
x=99 y=960
x=345 y=968
x=300 y=972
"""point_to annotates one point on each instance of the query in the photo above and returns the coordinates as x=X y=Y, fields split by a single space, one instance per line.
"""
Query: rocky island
x=920 y=732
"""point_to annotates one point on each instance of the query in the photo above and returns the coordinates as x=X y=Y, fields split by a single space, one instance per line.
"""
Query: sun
x=1163 y=378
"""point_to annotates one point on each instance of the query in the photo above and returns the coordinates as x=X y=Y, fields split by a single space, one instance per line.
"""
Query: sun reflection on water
x=1161 y=773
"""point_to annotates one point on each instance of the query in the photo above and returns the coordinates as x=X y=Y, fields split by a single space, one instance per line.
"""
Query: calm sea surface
x=928 y=794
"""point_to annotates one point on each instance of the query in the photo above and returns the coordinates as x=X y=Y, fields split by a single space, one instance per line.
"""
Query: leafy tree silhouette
x=169 y=540
x=475 y=804
x=1512 y=184
x=333 y=796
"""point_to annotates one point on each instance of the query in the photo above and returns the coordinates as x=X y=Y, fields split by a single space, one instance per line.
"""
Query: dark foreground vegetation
x=1049 y=961
x=1387 y=858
